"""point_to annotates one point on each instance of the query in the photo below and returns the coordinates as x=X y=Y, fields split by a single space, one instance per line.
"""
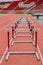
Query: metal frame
x=23 y=36
x=33 y=52
x=15 y=42
x=17 y=52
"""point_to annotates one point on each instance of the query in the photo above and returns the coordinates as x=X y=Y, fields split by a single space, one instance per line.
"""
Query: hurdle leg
x=8 y=39
x=29 y=25
x=12 y=34
x=36 y=52
x=8 y=46
x=15 y=25
x=32 y=32
x=7 y=56
x=37 y=56
x=33 y=37
x=18 y=22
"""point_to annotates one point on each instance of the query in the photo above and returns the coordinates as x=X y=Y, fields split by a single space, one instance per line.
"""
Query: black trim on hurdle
x=13 y=32
x=36 y=40
x=8 y=39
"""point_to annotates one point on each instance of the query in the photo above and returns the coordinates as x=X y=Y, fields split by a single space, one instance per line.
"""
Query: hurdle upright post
x=15 y=25
x=36 y=51
x=18 y=22
x=8 y=38
x=29 y=25
x=32 y=30
x=36 y=40
x=12 y=32
x=28 y=22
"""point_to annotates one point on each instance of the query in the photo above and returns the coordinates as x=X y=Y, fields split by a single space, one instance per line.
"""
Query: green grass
x=1 y=14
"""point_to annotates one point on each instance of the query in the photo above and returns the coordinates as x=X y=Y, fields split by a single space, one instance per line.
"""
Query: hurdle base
x=23 y=36
x=13 y=42
x=33 y=42
x=10 y=53
x=34 y=53
x=7 y=56
x=21 y=53
x=37 y=56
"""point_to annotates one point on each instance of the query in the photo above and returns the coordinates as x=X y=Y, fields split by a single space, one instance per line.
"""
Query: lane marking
x=40 y=54
x=5 y=27
x=8 y=24
x=7 y=50
x=3 y=55
x=2 y=58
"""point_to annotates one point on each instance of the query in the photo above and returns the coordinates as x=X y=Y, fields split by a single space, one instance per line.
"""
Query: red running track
x=19 y=59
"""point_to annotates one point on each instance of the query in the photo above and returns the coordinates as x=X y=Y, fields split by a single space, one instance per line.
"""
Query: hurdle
x=18 y=20
x=8 y=36
x=32 y=52
x=27 y=25
x=15 y=23
x=25 y=30
x=24 y=36
x=14 y=26
x=30 y=24
x=22 y=31
x=14 y=35
x=14 y=31
x=31 y=36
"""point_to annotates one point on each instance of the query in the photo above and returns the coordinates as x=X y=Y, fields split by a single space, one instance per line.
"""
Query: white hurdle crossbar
x=15 y=42
x=33 y=52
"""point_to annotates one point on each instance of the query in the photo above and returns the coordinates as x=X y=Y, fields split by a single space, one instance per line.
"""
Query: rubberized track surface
x=5 y=22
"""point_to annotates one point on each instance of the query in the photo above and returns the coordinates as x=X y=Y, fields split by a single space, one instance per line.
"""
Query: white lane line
x=5 y=26
x=2 y=58
x=10 y=42
x=3 y=55
x=40 y=54
x=7 y=50
x=8 y=24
